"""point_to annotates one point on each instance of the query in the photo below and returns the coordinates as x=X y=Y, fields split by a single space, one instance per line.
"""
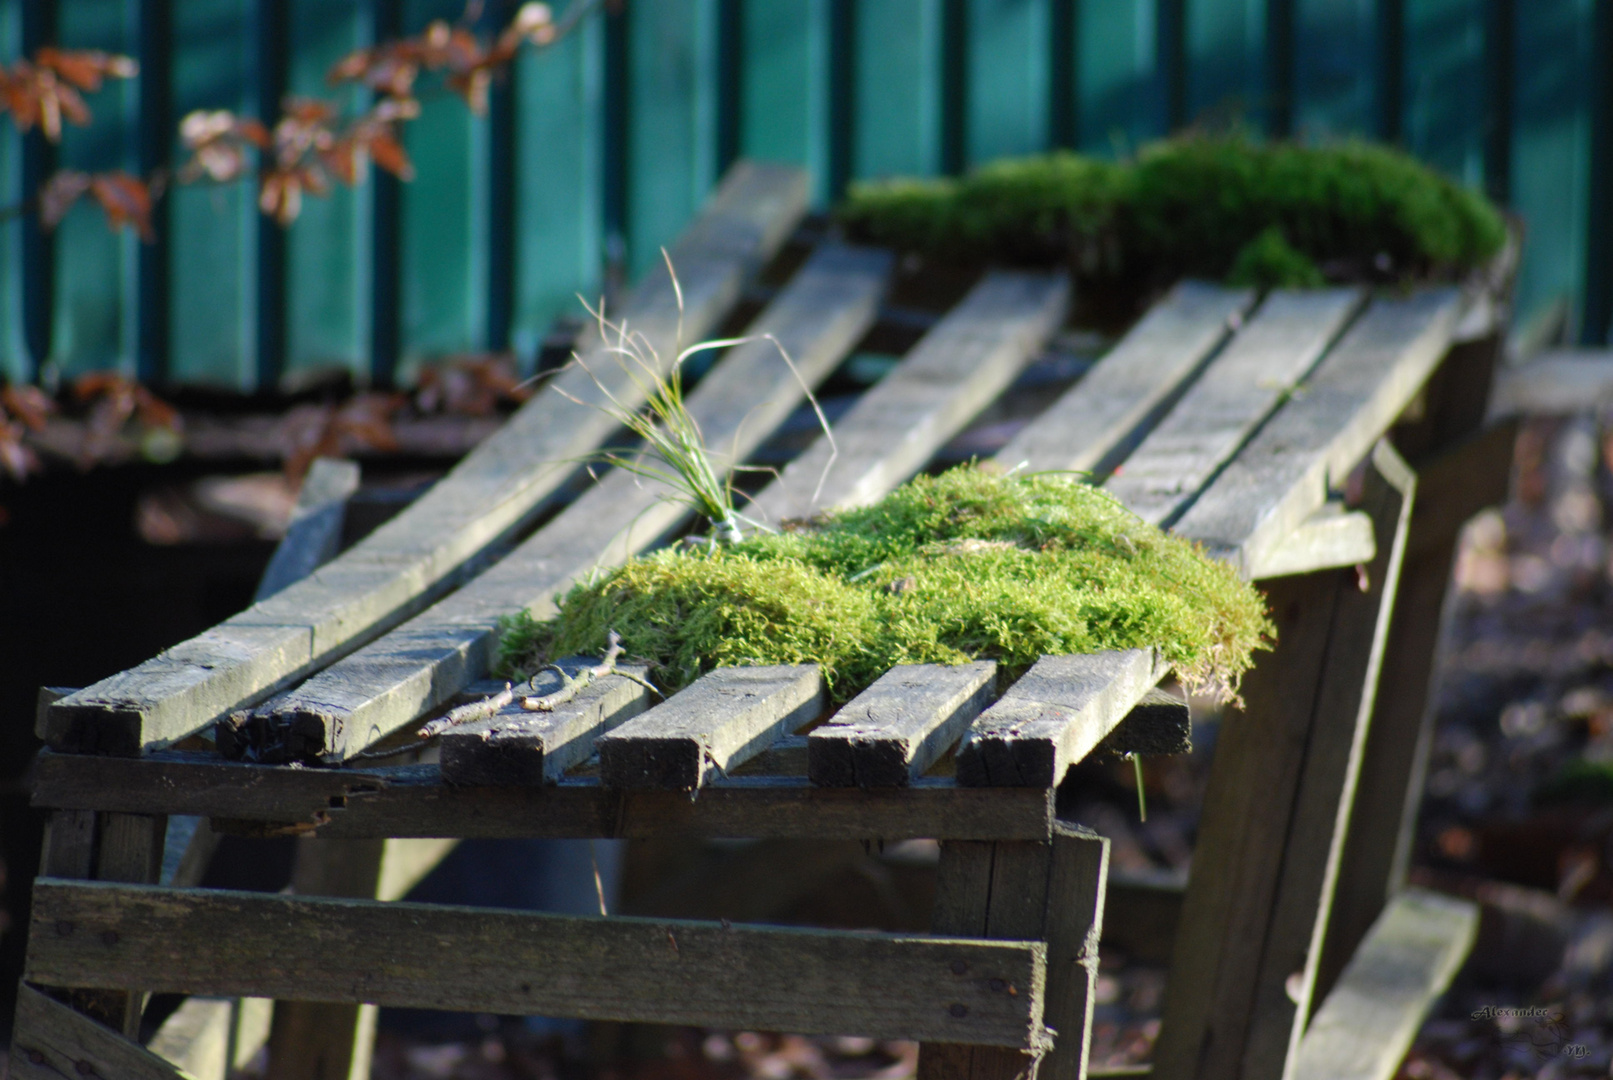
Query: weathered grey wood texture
x=1090 y=425
x=946 y=379
x=1160 y=723
x=410 y=560
x=1462 y=467
x=413 y=802
x=314 y=534
x=727 y=716
x=53 y=1041
x=1366 y=1025
x=1280 y=792
x=503 y=962
x=899 y=726
x=208 y=1038
x=1051 y=891
x=1275 y=348
x=817 y=319
x=1053 y=717
x=1283 y=475
x=515 y=746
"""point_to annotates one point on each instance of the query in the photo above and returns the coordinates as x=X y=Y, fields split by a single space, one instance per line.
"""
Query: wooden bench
x=1256 y=426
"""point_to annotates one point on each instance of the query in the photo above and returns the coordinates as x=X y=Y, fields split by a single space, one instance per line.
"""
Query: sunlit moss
x=1192 y=206
x=969 y=564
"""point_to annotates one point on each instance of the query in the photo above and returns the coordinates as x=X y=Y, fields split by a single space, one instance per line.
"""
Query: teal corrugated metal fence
x=594 y=153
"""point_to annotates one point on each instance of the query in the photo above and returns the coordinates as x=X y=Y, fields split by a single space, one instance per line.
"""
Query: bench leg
x=321 y=1041
x=317 y=1040
x=1027 y=890
x=1452 y=487
x=1278 y=801
x=87 y=845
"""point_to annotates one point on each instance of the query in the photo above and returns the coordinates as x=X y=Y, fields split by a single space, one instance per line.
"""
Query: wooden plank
x=954 y=371
x=523 y=963
x=519 y=747
x=899 y=726
x=1052 y=891
x=413 y=802
x=314 y=534
x=410 y=560
x=211 y=1038
x=1160 y=723
x=703 y=731
x=196 y=1038
x=1319 y=435
x=1332 y=536
x=1366 y=1025
x=818 y=318
x=1085 y=428
x=1462 y=467
x=69 y=847
x=1280 y=790
x=1053 y=717
x=51 y=1041
x=1141 y=912
x=1558 y=381
x=1249 y=378
x=1303 y=902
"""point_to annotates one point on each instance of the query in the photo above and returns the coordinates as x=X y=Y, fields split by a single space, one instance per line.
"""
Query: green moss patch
x=1219 y=207
x=969 y=564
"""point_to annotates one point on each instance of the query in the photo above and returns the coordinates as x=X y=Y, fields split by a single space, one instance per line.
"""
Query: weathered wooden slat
x=1560 y=381
x=413 y=802
x=899 y=726
x=1366 y=1025
x=51 y=1041
x=410 y=560
x=1331 y=536
x=515 y=746
x=1249 y=377
x=727 y=716
x=210 y=1038
x=957 y=369
x=1272 y=830
x=335 y=1041
x=1053 y=717
x=314 y=534
x=504 y=962
x=817 y=318
x=1320 y=434
x=1085 y=428
x=1052 y=891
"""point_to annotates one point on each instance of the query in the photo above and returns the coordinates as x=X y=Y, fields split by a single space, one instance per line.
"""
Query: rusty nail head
x=36 y=1057
x=999 y=985
x=110 y=937
x=63 y=927
x=959 y=967
x=84 y=1068
x=958 y=1009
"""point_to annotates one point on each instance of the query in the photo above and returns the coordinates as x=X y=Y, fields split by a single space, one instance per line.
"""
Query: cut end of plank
x=675 y=764
x=1160 y=723
x=89 y=728
x=276 y=738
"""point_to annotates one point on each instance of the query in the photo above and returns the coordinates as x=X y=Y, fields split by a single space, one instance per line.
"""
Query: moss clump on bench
x=1223 y=207
x=970 y=564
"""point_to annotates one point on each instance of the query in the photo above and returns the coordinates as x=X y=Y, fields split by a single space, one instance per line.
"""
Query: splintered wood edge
x=881 y=985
